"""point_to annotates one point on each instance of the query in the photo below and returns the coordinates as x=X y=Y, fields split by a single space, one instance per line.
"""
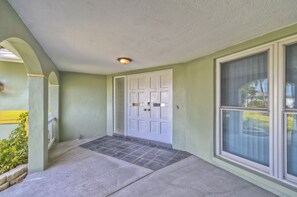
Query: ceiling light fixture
x=124 y=60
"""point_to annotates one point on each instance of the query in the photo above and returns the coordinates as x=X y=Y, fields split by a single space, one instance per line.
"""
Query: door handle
x=147 y=109
x=159 y=104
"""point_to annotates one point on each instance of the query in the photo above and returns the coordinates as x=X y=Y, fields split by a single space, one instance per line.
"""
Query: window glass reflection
x=246 y=134
x=291 y=76
x=244 y=82
x=255 y=94
x=292 y=144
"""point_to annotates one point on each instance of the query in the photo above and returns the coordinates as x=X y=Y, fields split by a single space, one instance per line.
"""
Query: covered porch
x=146 y=98
x=77 y=171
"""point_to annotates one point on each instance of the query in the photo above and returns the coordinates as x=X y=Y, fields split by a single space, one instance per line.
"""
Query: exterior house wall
x=13 y=27
x=200 y=83
x=39 y=66
x=16 y=91
x=83 y=105
x=85 y=99
x=15 y=95
x=194 y=121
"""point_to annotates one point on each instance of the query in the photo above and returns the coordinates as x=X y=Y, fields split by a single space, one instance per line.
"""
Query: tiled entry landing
x=139 y=152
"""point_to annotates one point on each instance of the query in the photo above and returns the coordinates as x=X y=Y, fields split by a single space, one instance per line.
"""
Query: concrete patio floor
x=74 y=171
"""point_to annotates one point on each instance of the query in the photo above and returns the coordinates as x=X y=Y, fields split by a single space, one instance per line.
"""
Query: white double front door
x=149 y=105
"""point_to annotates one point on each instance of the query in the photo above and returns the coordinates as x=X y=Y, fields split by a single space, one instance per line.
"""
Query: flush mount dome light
x=124 y=60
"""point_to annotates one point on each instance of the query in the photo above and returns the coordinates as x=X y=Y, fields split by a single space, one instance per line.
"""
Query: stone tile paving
x=145 y=153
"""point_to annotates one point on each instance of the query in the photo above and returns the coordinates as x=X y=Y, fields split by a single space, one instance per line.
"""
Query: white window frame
x=283 y=112
x=269 y=48
x=277 y=111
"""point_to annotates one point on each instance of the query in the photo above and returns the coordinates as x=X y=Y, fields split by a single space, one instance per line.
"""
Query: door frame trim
x=125 y=104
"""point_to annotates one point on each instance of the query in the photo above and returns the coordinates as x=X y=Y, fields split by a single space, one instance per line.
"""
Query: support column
x=38 y=123
x=54 y=106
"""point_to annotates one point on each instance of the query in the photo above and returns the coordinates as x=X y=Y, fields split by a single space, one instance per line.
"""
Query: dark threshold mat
x=143 y=153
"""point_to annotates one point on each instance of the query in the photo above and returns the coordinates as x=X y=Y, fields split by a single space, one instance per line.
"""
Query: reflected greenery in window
x=292 y=144
x=255 y=94
x=246 y=134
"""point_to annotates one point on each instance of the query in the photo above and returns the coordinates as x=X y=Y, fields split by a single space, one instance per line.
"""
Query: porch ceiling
x=88 y=36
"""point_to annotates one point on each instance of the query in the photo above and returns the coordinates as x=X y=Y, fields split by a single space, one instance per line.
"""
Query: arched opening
x=14 y=92
x=24 y=51
x=37 y=101
x=53 y=109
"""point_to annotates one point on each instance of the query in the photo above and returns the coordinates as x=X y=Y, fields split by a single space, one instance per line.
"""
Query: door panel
x=150 y=105
x=133 y=112
x=143 y=83
x=133 y=125
x=133 y=84
x=154 y=96
x=142 y=126
x=155 y=82
x=155 y=111
x=164 y=113
x=165 y=81
x=164 y=128
x=155 y=127
x=165 y=97
x=142 y=102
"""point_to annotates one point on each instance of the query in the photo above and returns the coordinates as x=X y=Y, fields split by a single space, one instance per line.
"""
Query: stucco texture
x=17 y=34
x=83 y=105
x=16 y=91
x=39 y=66
x=194 y=121
x=15 y=95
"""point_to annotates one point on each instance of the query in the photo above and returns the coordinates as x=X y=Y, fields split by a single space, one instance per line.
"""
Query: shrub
x=14 y=150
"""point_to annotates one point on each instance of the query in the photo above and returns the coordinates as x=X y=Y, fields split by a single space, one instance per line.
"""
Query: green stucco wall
x=194 y=121
x=18 y=36
x=15 y=95
x=85 y=99
x=13 y=29
x=83 y=105
x=200 y=83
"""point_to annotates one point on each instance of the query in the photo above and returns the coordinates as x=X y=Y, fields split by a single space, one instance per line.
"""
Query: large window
x=256 y=109
x=244 y=107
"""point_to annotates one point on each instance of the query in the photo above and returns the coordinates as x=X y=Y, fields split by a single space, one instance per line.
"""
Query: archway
x=53 y=83
x=24 y=51
x=14 y=91
x=38 y=102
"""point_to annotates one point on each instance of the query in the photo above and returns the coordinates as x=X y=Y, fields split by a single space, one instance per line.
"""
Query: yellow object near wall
x=12 y=117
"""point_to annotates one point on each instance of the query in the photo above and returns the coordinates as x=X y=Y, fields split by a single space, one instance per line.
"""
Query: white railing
x=51 y=136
